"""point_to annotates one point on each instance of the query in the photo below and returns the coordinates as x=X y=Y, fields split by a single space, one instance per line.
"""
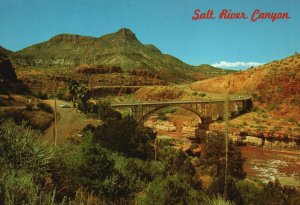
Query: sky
x=168 y=24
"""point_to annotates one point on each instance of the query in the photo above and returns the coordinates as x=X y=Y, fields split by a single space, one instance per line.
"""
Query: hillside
x=274 y=86
x=121 y=48
x=206 y=71
x=7 y=72
x=4 y=52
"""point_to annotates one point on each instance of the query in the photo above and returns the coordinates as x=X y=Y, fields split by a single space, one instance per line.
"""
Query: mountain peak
x=126 y=33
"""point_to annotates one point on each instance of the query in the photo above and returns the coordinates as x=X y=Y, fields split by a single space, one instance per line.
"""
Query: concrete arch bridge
x=207 y=110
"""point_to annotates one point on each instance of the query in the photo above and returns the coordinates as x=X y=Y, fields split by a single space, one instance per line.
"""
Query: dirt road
x=70 y=122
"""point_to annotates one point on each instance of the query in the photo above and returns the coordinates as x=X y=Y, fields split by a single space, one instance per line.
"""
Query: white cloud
x=234 y=65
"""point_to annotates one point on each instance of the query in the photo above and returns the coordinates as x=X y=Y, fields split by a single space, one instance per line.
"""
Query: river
x=269 y=165
x=265 y=165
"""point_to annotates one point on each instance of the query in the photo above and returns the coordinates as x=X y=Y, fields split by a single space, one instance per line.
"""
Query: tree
x=83 y=95
x=125 y=135
x=72 y=87
x=213 y=158
x=104 y=112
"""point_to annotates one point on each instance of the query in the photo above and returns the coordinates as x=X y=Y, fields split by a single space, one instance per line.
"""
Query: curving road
x=70 y=122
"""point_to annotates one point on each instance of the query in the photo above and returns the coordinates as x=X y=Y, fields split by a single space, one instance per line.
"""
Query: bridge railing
x=179 y=102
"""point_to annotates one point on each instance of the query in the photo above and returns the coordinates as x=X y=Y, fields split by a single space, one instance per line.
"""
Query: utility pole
x=155 y=149
x=155 y=142
x=55 y=114
x=226 y=118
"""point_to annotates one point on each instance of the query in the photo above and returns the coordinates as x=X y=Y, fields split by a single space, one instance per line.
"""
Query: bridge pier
x=200 y=132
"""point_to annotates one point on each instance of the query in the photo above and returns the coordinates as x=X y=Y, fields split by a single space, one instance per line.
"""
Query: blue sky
x=167 y=24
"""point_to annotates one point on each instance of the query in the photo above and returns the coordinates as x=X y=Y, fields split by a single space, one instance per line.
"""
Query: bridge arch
x=196 y=112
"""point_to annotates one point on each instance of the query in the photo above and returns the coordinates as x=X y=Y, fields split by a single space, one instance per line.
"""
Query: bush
x=45 y=107
x=105 y=112
x=169 y=190
x=217 y=188
x=274 y=193
x=41 y=95
x=214 y=201
x=24 y=162
x=107 y=175
x=19 y=188
x=175 y=161
x=29 y=107
x=20 y=150
x=248 y=191
x=162 y=116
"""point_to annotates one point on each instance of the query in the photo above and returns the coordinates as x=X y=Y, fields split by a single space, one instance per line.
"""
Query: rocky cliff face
x=6 y=69
x=8 y=77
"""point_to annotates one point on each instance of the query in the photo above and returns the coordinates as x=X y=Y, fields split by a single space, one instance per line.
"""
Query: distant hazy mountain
x=121 y=48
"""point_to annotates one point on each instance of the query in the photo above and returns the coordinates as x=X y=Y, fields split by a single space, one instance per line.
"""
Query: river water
x=265 y=165
x=269 y=165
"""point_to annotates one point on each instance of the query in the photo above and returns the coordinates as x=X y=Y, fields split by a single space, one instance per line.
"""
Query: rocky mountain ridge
x=121 y=48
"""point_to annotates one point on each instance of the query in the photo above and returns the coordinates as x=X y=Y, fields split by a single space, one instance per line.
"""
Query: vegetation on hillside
x=121 y=48
x=114 y=163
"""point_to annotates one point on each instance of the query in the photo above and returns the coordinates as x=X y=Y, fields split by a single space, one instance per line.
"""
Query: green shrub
x=217 y=188
x=169 y=190
x=41 y=95
x=248 y=191
x=45 y=107
x=205 y=200
x=291 y=120
x=244 y=123
x=19 y=188
x=175 y=161
x=105 y=111
x=20 y=150
x=101 y=172
x=274 y=193
x=162 y=116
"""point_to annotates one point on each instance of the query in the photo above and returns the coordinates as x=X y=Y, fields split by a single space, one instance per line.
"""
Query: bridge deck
x=177 y=102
